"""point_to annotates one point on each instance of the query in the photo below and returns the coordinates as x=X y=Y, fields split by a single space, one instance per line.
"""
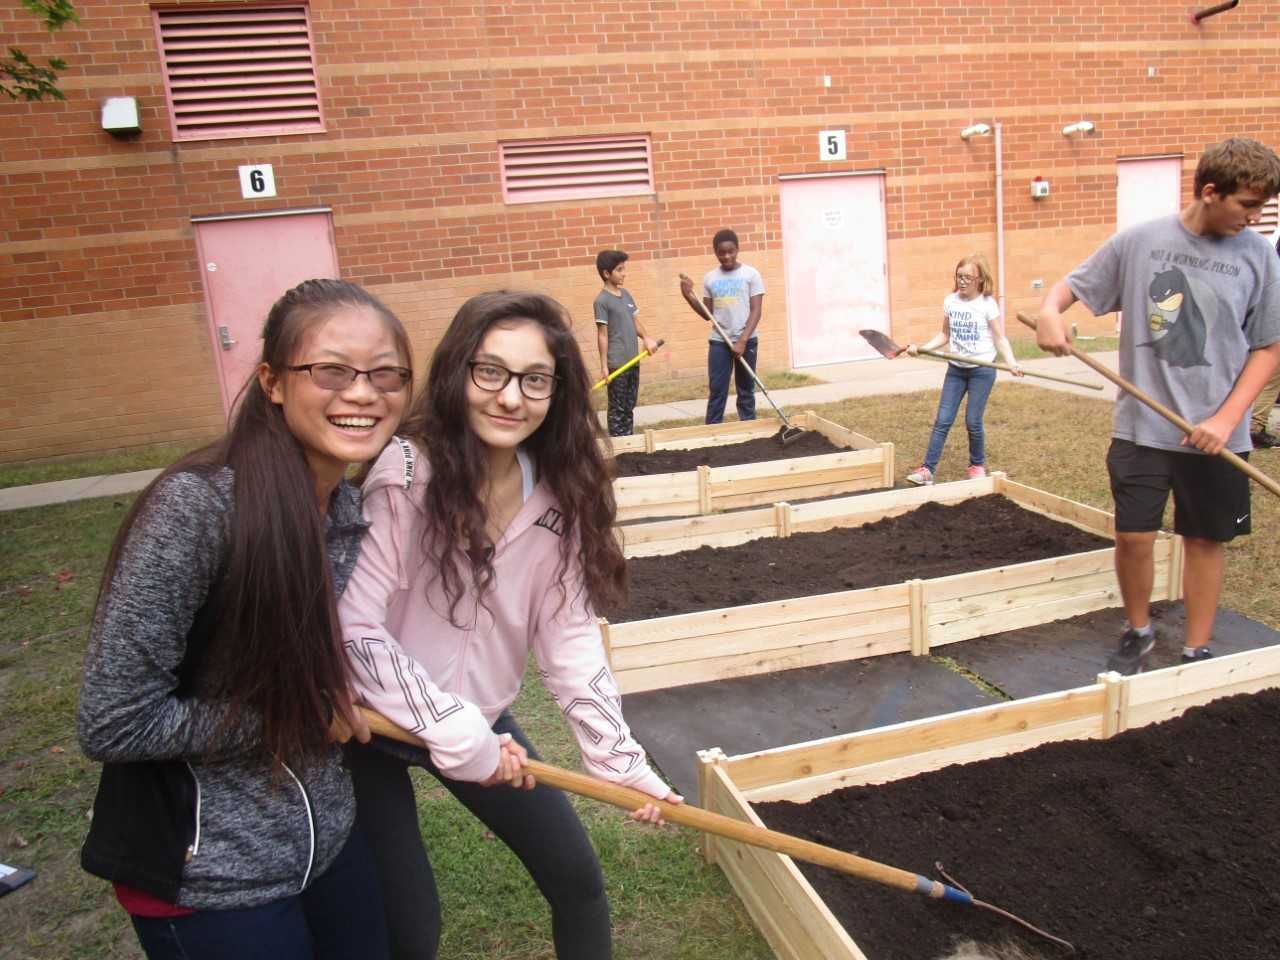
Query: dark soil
x=1159 y=844
x=932 y=541
x=809 y=443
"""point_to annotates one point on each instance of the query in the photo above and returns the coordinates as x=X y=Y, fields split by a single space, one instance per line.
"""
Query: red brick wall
x=102 y=327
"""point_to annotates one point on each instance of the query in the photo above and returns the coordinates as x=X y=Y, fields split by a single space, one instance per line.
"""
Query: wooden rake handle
x=713 y=823
x=1186 y=426
x=958 y=358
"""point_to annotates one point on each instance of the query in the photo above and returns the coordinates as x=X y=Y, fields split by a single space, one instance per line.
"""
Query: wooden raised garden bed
x=785 y=906
x=866 y=465
x=914 y=616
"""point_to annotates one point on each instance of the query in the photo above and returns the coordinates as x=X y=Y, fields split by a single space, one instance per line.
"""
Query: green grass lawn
x=1024 y=348
x=666 y=902
x=123 y=461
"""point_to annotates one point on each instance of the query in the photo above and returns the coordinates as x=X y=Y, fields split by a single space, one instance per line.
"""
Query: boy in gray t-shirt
x=618 y=331
x=1200 y=295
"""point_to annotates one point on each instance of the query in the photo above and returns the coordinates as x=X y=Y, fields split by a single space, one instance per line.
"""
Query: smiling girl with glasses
x=224 y=813
x=972 y=327
x=492 y=539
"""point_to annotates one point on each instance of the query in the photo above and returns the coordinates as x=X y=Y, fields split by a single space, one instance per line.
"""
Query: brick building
x=433 y=150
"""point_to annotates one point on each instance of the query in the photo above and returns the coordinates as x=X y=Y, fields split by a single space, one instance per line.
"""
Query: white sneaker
x=921 y=476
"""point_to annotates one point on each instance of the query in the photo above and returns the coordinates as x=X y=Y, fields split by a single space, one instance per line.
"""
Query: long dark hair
x=565 y=448
x=276 y=650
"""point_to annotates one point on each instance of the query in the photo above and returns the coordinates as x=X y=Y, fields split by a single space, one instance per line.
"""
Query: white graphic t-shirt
x=970 y=324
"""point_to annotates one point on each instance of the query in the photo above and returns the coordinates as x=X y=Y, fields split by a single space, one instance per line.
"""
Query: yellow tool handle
x=1237 y=461
x=625 y=367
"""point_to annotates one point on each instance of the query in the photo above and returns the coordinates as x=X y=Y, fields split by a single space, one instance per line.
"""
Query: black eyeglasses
x=339 y=376
x=493 y=377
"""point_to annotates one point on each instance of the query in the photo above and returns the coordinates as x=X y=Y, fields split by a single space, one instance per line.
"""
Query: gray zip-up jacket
x=233 y=836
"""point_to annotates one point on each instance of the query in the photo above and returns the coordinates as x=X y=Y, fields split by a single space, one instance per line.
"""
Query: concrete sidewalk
x=869 y=378
x=843 y=381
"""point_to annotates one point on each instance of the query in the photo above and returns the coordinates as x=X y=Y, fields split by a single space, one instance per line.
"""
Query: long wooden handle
x=1237 y=461
x=1004 y=366
x=713 y=823
x=710 y=318
x=626 y=366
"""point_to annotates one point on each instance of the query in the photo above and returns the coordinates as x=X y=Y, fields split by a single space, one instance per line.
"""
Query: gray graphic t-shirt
x=618 y=313
x=1193 y=309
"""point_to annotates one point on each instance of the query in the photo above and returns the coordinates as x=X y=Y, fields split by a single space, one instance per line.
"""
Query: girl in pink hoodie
x=492 y=537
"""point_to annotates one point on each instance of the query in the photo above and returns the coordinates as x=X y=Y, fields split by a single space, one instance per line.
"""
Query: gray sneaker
x=1131 y=656
x=1201 y=653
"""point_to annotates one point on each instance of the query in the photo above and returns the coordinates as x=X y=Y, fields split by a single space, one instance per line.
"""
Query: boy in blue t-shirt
x=618 y=332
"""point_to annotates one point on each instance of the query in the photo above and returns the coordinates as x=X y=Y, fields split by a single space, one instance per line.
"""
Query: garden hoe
x=1241 y=464
x=888 y=349
x=626 y=366
x=738 y=830
x=789 y=433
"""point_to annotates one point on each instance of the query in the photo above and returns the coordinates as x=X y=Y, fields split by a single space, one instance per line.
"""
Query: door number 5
x=832 y=145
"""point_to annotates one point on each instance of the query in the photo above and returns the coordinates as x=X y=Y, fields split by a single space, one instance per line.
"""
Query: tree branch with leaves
x=21 y=78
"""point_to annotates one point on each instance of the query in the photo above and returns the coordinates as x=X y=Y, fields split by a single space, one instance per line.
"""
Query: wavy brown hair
x=1237 y=163
x=565 y=449
x=276 y=651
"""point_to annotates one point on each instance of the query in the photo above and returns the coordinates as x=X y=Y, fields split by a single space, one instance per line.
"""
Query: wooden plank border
x=772 y=888
x=864 y=465
x=918 y=616
x=786 y=909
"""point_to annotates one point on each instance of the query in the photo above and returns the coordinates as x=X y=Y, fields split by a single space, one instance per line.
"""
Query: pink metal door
x=246 y=263
x=834 y=253
x=1146 y=189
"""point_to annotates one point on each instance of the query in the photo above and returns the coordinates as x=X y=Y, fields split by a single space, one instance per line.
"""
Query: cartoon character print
x=1181 y=311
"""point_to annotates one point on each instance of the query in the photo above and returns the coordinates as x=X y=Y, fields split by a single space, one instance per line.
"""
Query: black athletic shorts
x=1210 y=496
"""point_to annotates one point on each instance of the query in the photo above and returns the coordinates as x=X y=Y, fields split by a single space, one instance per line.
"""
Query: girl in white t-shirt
x=971 y=327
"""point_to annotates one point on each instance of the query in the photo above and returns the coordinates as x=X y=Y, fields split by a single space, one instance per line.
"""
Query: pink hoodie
x=448 y=685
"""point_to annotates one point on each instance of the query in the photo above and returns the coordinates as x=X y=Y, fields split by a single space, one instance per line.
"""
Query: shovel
x=731 y=829
x=626 y=366
x=1237 y=461
x=888 y=349
x=789 y=433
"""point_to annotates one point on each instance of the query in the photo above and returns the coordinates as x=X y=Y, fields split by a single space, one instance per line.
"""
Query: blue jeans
x=977 y=382
x=338 y=917
x=720 y=366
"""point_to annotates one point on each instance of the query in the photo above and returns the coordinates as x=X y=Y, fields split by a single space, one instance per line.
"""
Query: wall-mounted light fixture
x=120 y=116
x=976 y=130
x=1080 y=126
